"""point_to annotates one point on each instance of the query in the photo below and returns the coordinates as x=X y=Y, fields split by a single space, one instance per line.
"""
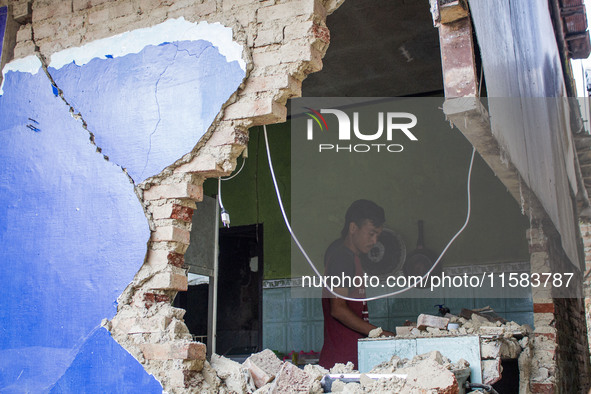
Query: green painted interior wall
x=250 y=197
x=427 y=183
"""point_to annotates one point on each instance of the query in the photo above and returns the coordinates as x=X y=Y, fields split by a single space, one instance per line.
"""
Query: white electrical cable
x=293 y=236
x=241 y=167
x=224 y=215
x=220 y=193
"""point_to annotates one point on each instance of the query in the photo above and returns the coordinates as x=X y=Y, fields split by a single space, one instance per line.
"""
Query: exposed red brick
x=544 y=307
x=322 y=33
x=182 y=213
x=542 y=388
x=548 y=335
x=153 y=297
x=176 y=259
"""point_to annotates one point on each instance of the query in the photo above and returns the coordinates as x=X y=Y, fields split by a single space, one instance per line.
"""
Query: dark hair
x=361 y=210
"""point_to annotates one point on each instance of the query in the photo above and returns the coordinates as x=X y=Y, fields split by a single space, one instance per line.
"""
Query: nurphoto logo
x=395 y=123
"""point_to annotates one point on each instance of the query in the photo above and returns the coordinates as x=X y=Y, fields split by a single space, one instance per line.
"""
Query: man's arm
x=341 y=311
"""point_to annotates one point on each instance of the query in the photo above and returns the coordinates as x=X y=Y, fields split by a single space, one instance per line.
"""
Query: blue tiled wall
x=297 y=324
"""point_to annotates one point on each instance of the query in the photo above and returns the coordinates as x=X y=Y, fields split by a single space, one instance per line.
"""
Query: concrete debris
x=404 y=330
x=388 y=366
x=267 y=361
x=504 y=348
x=435 y=326
x=491 y=371
x=235 y=376
x=259 y=376
x=342 y=368
x=210 y=377
x=382 y=385
x=426 y=373
x=315 y=371
x=424 y=321
x=429 y=376
x=266 y=389
x=375 y=333
x=291 y=379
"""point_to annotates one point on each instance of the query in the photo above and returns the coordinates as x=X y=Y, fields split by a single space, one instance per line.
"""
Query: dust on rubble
x=264 y=373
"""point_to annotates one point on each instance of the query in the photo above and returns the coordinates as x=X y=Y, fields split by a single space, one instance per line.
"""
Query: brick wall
x=560 y=354
x=283 y=41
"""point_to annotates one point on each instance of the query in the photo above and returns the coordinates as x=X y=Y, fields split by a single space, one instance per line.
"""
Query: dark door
x=239 y=317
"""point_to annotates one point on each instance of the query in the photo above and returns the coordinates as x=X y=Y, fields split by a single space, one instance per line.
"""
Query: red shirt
x=340 y=342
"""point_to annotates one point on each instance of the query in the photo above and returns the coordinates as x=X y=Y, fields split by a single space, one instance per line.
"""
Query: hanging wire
x=297 y=242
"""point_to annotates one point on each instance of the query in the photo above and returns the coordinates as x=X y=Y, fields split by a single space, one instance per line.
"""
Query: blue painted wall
x=3 y=16
x=149 y=109
x=72 y=232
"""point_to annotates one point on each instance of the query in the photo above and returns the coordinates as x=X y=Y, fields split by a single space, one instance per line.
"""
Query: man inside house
x=346 y=321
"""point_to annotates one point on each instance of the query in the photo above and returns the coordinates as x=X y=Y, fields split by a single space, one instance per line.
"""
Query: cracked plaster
x=69 y=101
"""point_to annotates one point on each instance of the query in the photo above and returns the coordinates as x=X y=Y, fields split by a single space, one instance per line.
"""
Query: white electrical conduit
x=314 y=267
x=220 y=193
x=225 y=216
x=241 y=167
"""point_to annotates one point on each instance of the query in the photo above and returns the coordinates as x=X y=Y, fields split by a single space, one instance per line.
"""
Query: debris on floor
x=433 y=326
x=264 y=373
x=499 y=339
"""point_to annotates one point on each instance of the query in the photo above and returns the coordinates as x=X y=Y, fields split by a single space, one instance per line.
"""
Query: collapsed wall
x=282 y=41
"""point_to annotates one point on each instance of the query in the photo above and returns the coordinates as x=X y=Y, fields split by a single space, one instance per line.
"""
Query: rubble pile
x=264 y=373
x=426 y=373
x=476 y=325
x=499 y=339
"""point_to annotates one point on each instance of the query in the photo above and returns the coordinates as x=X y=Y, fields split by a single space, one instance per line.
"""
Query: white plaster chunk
x=375 y=333
x=490 y=349
x=235 y=376
x=491 y=371
x=540 y=374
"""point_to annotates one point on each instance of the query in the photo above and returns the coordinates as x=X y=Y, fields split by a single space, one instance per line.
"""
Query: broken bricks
x=263 y=367
x=425 y=321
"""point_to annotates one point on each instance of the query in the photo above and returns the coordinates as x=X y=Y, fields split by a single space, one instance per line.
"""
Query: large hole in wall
x=396 y=53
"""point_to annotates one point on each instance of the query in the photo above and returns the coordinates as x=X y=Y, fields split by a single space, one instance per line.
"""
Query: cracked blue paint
x=3 y=16
x=72 y=232
x=112 y=370
x=73 y=235
x=150 y=108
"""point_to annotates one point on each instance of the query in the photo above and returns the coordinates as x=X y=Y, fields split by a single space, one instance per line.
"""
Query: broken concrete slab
x=234 y=375
x=267 y=361
x=430 y=376
x=425 y=321
x=491 y=371
x=259 y=376
x=404 y=330
x=291 y=379
x=375 y=333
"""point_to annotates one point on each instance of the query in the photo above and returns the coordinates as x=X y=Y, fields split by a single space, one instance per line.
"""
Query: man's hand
x=341 y=311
